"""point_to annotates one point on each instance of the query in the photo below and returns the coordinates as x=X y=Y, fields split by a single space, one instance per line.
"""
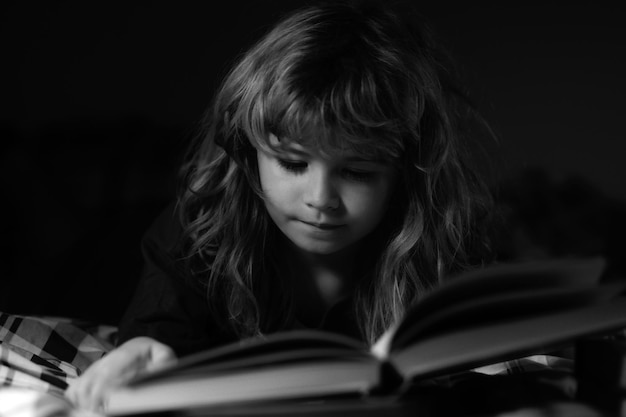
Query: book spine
x=389 y=380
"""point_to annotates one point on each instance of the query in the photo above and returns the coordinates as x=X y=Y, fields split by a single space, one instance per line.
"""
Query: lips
x=323 y=226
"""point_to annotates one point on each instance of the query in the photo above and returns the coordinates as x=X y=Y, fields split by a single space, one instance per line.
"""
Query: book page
x=292 y=346
x=508 y=280
x=503 y=307
x=475 y=294
x=478 y=346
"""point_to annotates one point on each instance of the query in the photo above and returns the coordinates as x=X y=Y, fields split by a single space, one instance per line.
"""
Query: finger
x=70 y=391
x=118 y=367
x=78 y=391
x=161 y=352
x=81 y=391
x=160 y=356
x=97 y=394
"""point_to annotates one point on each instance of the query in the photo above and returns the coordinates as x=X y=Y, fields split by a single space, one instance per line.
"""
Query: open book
x=485 y=316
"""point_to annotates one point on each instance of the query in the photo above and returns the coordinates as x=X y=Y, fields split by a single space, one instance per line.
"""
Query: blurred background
x=99 y=99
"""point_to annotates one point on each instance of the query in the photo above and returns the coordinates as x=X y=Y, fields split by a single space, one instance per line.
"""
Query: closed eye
x=295 y=167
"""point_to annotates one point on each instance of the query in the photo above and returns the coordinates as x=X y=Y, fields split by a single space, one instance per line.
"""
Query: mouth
x=323 y=226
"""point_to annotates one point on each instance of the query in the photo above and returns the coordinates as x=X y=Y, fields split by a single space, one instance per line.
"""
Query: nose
x=321 y=193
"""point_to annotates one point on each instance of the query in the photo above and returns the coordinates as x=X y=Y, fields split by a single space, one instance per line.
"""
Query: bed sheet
x=40 y=355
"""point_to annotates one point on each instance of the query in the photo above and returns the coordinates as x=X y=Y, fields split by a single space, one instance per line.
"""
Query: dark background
x=99 y=99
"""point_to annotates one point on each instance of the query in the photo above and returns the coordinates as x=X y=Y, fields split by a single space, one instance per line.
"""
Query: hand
x=116 y=368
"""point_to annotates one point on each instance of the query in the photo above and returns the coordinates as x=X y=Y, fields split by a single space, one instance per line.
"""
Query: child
x=329 y=190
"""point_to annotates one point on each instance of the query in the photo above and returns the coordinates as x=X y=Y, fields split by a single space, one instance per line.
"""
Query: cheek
x=267 y=178
x=370 y=205
x=278 y=193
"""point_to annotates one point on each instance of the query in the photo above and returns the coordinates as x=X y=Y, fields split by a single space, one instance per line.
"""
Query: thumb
x=160 y=355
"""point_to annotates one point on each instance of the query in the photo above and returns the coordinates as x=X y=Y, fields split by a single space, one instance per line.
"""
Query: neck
x=339 y=263
x=318 y=281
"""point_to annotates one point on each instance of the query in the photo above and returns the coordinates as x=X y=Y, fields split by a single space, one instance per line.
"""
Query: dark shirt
x=171 y=308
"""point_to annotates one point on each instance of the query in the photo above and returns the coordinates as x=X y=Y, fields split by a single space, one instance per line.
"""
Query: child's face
x=323 y=204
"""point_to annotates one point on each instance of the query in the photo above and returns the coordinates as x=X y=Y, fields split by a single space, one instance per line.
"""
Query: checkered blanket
x=44 y=353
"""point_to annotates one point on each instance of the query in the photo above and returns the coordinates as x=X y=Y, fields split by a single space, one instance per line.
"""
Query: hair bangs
x=339 y=120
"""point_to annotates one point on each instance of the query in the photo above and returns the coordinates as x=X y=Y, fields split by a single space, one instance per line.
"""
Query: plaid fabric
x=44 y=353
x=528 y=364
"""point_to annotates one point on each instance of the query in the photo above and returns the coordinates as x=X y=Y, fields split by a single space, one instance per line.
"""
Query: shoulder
x=166 y=228
x=164 y=250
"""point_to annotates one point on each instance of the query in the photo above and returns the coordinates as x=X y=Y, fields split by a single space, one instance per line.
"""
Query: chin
x=317 y=250
x=325 y=251
x=320 y=248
